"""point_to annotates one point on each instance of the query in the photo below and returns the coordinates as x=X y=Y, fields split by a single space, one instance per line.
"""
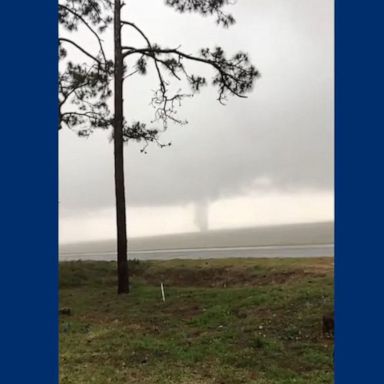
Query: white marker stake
x=162 y=292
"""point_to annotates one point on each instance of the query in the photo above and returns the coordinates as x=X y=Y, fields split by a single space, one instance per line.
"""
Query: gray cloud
x=280 y=138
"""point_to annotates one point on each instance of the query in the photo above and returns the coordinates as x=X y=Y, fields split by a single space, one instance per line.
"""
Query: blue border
x=29 y=193
x=28 y=273
x=359 y=192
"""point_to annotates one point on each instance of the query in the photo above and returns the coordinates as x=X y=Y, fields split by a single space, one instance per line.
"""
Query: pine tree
x=85 y=88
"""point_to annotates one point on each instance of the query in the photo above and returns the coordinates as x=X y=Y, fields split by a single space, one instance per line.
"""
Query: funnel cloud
x=201 y=215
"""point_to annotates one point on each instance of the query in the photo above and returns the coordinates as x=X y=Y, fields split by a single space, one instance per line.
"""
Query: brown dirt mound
x=227 y=277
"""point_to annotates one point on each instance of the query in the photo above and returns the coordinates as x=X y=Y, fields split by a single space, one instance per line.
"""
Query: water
x=320 y=250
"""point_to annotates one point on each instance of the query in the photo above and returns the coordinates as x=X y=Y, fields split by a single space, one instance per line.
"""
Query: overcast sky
x=263 y=160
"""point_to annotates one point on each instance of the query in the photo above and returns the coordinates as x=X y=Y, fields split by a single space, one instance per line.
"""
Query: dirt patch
x=185 y=312
x=229 y=277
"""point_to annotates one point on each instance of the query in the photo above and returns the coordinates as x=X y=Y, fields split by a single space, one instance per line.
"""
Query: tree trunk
x=122 y=257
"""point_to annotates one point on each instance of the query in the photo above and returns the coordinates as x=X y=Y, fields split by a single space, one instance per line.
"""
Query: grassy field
x=223 y=322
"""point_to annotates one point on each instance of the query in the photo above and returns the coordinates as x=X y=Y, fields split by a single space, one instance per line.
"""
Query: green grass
x=224 y=321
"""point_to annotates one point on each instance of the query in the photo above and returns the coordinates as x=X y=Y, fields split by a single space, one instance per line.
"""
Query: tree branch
x=81 y=49
x=223 y=74
x=162 y=83
x=204 y=7
x=88 y=26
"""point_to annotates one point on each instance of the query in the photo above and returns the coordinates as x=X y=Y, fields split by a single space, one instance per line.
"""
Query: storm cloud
x=278 y=139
